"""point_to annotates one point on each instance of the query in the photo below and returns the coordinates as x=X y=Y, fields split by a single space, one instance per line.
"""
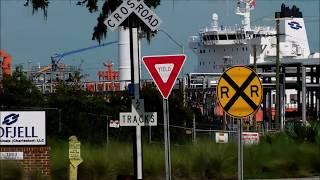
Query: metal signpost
x=239 y=93
x=164 y=71
x=137 y=117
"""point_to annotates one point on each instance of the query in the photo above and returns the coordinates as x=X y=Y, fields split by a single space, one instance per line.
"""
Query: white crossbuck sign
x=139 y=8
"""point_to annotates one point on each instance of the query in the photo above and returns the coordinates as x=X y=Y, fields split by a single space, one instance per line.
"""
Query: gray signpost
x=164 y=70
x=137 y=117
x=241 y=77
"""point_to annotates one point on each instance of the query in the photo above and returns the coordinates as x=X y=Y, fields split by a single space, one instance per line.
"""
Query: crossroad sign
x=139 y=8
x=239 y=91
x=138 y=117
x=120 y=14
x=164 y=70
x=147 y=16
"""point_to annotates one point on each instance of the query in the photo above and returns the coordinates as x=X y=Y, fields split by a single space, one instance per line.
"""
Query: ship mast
x=243 y=9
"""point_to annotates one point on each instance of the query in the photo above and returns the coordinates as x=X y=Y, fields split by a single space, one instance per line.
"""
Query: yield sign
x=164 y=70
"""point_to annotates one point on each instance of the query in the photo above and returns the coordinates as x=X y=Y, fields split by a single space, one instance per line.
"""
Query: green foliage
x=10 y=170
x=73 y=111
x=58 y=159
x=283 y=158
x=280 y=156
x=300 y=132
x=206 y=160
x=83 y=114
x=17 y=90
x=179 y=114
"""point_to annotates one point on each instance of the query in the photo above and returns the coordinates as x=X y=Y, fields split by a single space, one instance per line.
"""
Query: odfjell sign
x=139 y=8
x=164 y=70
x=239 y=91
x=27 y=128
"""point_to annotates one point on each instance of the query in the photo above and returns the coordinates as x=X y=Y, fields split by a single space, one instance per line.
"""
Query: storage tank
x=124 y=57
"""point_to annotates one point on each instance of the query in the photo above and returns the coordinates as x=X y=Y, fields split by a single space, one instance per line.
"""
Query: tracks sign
x=239 y=91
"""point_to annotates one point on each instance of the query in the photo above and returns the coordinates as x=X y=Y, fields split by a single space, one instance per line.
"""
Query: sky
x=31 y=39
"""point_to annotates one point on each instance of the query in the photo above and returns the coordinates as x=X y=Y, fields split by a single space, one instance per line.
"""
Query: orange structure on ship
x=6 y=63
x=108 y=80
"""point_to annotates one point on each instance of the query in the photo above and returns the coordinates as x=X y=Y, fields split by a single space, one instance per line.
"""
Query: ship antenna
x=215 y=21
x=243 y=9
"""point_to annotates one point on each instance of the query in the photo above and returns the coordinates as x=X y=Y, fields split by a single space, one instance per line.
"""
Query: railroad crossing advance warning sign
x=239 y=91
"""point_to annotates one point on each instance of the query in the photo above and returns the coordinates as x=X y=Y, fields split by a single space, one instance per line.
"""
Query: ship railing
x=211 y=79
x=221 y=28
x=96 y=86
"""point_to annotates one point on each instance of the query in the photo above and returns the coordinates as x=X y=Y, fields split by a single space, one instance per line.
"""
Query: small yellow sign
x=74 y=157
x=239 y=91
x=74 y=151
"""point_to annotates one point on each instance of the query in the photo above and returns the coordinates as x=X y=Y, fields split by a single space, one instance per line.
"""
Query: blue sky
x=31 y=38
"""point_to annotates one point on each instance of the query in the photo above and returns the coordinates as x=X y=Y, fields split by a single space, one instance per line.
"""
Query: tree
x=100 y=30
x=18 y=91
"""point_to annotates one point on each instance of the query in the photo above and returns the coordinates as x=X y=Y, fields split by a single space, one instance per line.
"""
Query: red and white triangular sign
x=164 y=70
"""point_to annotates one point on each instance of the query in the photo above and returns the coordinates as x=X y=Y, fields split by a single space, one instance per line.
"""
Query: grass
x=275 y=156
x=282 y=157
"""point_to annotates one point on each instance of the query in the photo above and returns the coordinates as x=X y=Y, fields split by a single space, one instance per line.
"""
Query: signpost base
x=167 y=152
x=240 y=151
x=73 y=172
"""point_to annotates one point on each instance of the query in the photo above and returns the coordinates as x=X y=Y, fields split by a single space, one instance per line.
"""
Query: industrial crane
x=55 y=59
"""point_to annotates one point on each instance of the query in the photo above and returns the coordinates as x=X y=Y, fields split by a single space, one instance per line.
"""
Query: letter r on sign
x=254 y=89
x=224 y=90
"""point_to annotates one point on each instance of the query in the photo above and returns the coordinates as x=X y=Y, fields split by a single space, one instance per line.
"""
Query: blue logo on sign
x=294 y=25
x=10 y=119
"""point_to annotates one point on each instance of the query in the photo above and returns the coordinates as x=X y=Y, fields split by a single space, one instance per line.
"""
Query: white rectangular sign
x=250 y=138
x=11 y=155
x=221 y=137
x=22 y=128
x=134 y=119
x=114 y=124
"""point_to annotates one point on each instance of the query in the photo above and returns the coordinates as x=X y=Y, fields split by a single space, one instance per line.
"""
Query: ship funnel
x=293 y=26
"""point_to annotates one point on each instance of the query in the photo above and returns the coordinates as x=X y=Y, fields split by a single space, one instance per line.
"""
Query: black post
x=277 y=119
x=134 y=140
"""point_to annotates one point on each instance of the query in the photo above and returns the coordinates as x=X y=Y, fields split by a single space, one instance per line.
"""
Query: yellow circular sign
x=239 y=91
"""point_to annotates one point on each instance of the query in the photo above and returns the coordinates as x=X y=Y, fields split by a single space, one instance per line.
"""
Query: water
x=31 y=40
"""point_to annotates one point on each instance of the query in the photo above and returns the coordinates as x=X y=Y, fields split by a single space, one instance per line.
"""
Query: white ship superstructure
x=219 y=46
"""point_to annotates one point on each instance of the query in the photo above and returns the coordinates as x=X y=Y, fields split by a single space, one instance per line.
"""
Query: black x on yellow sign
x=239 y=91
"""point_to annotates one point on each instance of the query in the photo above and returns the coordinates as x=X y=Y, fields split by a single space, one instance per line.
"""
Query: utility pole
x=255 y=69
x=194 y=136
x=277 y=120
x=255 y=57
